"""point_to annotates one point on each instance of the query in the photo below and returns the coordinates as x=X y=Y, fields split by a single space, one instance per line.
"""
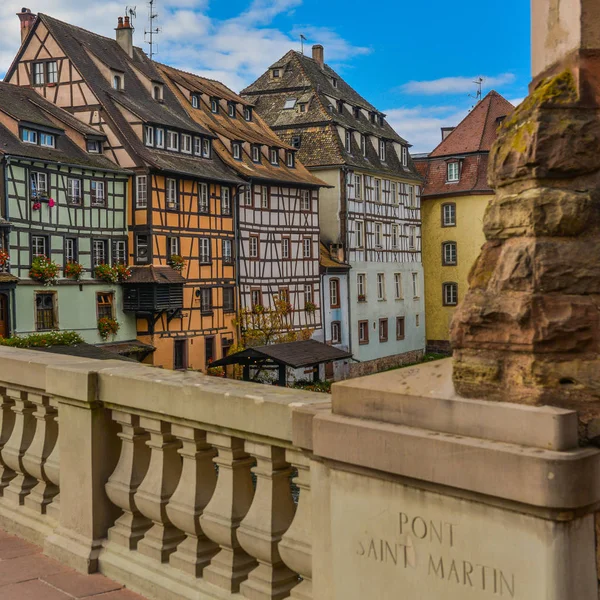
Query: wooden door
x=3 y=315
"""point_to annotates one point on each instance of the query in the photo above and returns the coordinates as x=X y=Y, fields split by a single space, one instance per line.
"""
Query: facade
x=455 y=196
x=182 y=200
x=371 y=210
x=278 y=204
x=67 y=202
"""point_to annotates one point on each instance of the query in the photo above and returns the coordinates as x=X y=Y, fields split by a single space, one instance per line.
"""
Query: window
x=276 y=73
x=99 y=252
x=264 y=196
x=307 y=248
x=173 y=246
x=411 y=196
x=141 y=191
x=38 y=184
x=253 y=246
x=231 y=109
x=209 y=349
x=383 y=330
x=228 y=299
x=305 y=200
x=358 y=187
x=289 y=103
x=450 y=294
x=47 y=140
x=296 y=141
x=97 y=193
x=360 y=234
x=203 y=201
x=417 y=318
x=39 y=245
x=284 y=295
x=120 y=252
x=70 y=250
x=290 y=160
x=159 y=138
x=395 y=236
x=256 y=154
x=302 y=107
x=227 y=253
x=214 y=105
x=225 y=200
x=255 y=298
x=285 y=248
x=380 y=286
x=204 y=251
x=179 y=354
x=449 y=215
x=171 y=194
x=336 y=332
x=334 y=293
x=274 y=156
x=206 y=300
x=104 y=305
x=186 y=143
x=393 y=193
x=29 y=136
x=74 y=190
x=141 y=248
x=308 y=293
x=449 y=253
x=361 y=286
x=415 y=284
x=348 y=143
x=399 y=328
x=195 y=101
x=94 y=146
x=117 y=82
x=149 y=135
x=248 y=196
x=363 y=145
x=248 y=113
x=52 y=71
x=378 y=190
x=236 y=150
x=373 y=117
x=38 y=74
x=198 y=146
x=398 y=286
x=334 y=82
x=382 y=150
x=45 y=314
x=412 y=237
x=363 y=332
x=381 y=120
x=172 y=140
x=378 y=235
x=404 y=156
x=206 y=148
x=453 y=171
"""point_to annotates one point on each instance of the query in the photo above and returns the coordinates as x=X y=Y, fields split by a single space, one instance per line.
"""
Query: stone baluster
x=267 y=520
x=52 y=468
x=17 y=444
x=7 y=423
x=195 y=489
x=156 y=489
x=296 y=543
x=34 y=459
x=225 y=511
x=122 y=485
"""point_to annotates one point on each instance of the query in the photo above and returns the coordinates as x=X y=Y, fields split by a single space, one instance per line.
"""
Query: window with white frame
x=173 y=246
x=231 y=109
x=449 y=253
x=415 y=284
x=334 y=293
x=378 y=190
x=358 y=187
x=47 y=140
x=38 y=184
x=52 y=71
x=117 y=82
x=411 y=196
x=206 y=144
x=198 y=146
x=380 y=286
x=195 y=101
x=39 y=73
x=418 y=196
x=120 y=256
x=99 y=252
x=97 y=193
x=247 y=113
x=449 y=215
x=248 y=196
x=450 y=294
x=159 y=137
x=305 y=200
x=255 y=298
x=39 y=245
x=214 y=105
x=348 y=143
x=186 y=143
x=363 y=145
x=149 y=135
x=264 y=196
x=383 y=330
x=363 y=332
x=336 y=332
x=307 y=248
x=204 y=250
x=368 y=188
x=361 y=286
x=256 y=154
x=394 y=193
x=290 y=160
x=225 y=200
x=205 y=299
x=382 y=150
x=274 y=156
x=236 y=150
x=70 y=250
x=285 y=248
x=171 y=193
x=308 y=293
x=29 y=136
x=395 y=236
x=203 y=202
x=172 y=140
x=453 y=171
x=74 y=190
x=253 y=246
x=227 y=252
x=404 y=156
x=141 y=191
x=398 y=286
x=378 y=235
x=412 y=237
x=360 y=233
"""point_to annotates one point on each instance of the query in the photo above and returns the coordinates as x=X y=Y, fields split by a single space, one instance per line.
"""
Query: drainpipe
x=346 y=242
x=236 y=238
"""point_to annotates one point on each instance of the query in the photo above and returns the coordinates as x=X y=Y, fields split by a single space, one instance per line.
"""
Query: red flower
x=51 y=203
x=37 y=205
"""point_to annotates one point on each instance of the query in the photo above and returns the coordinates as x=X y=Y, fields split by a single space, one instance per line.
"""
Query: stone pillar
x=7 y=417
x=528 y=330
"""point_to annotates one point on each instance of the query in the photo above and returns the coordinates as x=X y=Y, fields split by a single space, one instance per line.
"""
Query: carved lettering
x=425 y=528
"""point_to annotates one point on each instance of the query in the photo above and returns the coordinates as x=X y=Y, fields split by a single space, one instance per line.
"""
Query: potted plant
x=73 y=270
x=177 y=262
x=310 y=307
x=107 y=326
x=362 y=298
x=4 y=258
x=123 y=272
x=106 y=273
x=44 y=270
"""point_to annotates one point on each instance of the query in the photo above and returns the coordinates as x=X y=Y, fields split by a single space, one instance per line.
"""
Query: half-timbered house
x=62 y=199
x=181 y=210
x=372 y=209
x=278 y=205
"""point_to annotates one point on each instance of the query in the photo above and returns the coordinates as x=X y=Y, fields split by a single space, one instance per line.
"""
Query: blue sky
x=413 y=60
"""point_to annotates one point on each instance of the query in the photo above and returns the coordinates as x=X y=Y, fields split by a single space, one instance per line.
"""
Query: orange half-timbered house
x=181 y=200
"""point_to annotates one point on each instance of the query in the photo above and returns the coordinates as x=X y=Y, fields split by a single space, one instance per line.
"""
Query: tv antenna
x=302 y=40
x=130 y=10
x=478 y=82
x=152 y=30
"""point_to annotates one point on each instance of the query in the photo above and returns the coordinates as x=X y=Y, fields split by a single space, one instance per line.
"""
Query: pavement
x=26 y=574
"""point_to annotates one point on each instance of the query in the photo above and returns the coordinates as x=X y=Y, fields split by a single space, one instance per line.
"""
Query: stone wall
x=358 y=369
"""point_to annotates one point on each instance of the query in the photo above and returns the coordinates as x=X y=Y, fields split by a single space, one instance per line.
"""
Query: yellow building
x=454 y=198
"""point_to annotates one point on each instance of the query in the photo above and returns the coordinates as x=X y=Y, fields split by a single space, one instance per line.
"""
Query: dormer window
x=231 y=109
x=274 y=156
x=172 y=140
x=381 y=120
x=256 y=154
x=159 y=137
x=149 y=135
x=340 y=106
x=94 y=146
x=47 y=140
x=334 y=82
x=195 y=101
x=302 y=107
x=186 y=143
x=198 y=146
x=289 y=103
x=373 y=117
x=248 y=113
x=157 y=92
x=453 y=171
x=363 y=145
x=236 y=150
x=29 y=136
x=206 y=148
x=382 y=150
x=296 y=141
x=356 y=112
x=276 y=73
x=290 y=160
x=404 y=156
x=117 y=82
x=214 y=105
x=348 y=142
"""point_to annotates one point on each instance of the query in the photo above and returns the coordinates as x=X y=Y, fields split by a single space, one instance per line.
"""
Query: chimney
x=125 y=35
x=446 y=131
x=318 y=54
x=27 y=19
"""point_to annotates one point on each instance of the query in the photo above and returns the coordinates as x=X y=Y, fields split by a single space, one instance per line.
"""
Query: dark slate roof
x=154 y=274
x=293 y=354
x=82 y=46
x=85 y=351
x=24 y=105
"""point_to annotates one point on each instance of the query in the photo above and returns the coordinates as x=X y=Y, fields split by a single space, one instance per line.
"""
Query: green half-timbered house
x=63 y=199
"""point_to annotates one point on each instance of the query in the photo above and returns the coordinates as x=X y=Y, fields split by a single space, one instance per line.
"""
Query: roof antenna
x=152 y=30
x=302 y=40
x=478 y=82
x=130 y=10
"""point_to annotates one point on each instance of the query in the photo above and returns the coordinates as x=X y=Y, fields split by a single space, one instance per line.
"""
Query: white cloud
x=455 y=85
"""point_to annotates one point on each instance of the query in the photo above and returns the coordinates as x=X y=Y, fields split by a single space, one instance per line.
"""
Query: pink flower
x=37 y=206
x=51 y=203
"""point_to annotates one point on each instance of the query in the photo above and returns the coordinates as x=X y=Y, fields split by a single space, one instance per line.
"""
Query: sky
x=415 y=61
